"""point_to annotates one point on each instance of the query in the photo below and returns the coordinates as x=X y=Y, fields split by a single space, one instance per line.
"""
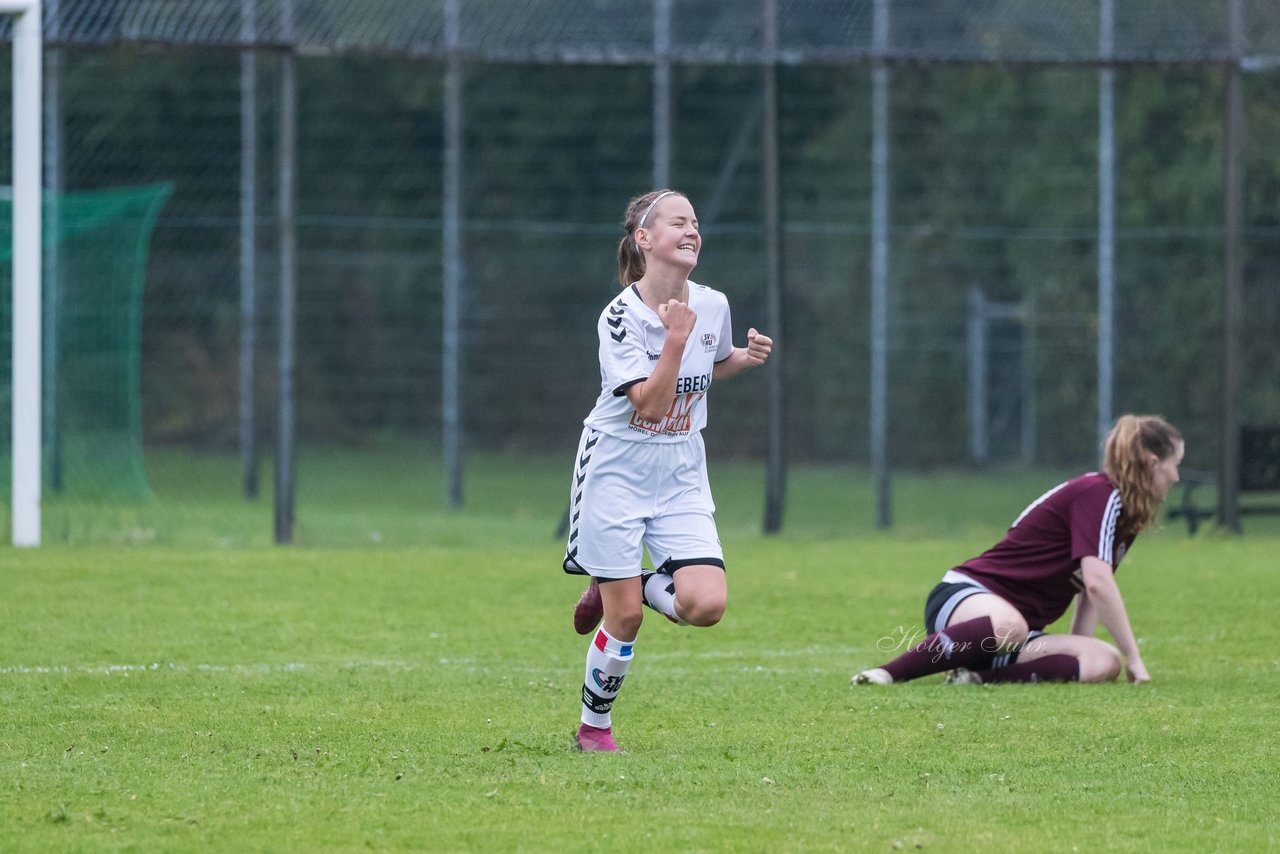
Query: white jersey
x=631 y=338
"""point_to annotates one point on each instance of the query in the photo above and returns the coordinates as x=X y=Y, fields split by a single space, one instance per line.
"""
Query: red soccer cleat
x=593 y=739
x=589 y=611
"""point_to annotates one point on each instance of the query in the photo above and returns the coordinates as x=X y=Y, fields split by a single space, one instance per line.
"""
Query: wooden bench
x=1259 y=474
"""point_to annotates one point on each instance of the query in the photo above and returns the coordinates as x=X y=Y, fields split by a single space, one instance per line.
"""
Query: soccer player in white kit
x=640 y=478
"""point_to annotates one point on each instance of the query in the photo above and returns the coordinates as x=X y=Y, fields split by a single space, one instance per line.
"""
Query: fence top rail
x=689 y=31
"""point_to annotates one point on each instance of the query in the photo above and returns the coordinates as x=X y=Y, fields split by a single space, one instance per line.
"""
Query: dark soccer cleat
x=589 y=610
x=592 y=739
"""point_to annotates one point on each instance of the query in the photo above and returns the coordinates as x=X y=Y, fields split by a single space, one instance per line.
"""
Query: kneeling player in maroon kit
x=987 y=616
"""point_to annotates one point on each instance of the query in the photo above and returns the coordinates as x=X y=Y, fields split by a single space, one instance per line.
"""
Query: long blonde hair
x=1126 y=463
x=639 y=212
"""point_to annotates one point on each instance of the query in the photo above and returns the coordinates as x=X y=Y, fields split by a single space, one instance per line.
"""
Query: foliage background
x=993 y=159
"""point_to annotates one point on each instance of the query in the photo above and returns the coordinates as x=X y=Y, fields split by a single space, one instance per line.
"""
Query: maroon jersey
x=1036 y=567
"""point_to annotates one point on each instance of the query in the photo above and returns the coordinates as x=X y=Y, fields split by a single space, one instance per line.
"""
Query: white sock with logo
x=607 y=661
x=660 y=595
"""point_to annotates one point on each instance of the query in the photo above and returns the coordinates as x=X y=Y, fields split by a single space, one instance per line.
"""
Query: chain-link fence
x=562 y=111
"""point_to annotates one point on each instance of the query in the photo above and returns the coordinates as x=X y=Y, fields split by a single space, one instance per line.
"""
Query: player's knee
x=1010 y=629
x=702 y=612
x=1101 y=665
x=624 y=623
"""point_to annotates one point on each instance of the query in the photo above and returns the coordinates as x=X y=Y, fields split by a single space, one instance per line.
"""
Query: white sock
x=660 y=595
x=607 y=661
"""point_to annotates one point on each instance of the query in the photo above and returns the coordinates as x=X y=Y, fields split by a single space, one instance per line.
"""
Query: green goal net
x=95 y=260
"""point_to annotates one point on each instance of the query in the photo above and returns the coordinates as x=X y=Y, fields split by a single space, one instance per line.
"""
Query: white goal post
x=27 y=174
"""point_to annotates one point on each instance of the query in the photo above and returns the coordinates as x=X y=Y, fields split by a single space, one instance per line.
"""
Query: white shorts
x=630 y=496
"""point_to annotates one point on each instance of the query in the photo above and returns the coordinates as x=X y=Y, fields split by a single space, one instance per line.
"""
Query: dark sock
x=969 y=644
x=1051 y=668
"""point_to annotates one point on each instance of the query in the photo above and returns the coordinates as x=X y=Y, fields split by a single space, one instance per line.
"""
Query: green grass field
x=407 y=679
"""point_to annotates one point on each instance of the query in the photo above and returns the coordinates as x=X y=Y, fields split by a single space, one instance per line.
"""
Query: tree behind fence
x=993 y=186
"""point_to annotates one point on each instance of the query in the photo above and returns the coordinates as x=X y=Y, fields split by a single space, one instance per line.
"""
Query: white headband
x=652 y=204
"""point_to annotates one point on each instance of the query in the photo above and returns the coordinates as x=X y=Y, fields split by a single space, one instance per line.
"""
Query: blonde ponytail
x=1126 y=462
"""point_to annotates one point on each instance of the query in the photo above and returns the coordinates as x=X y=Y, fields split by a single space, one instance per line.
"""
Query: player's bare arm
x=1100 y=586
x=1084 y=621
x=652 y=397
x=755 y=354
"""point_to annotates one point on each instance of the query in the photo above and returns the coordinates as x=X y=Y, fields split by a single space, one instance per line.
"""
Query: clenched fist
x=758 y=347
x=677 y=318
